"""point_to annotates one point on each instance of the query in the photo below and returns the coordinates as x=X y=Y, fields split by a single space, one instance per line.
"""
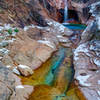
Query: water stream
x=73 y=26
x=54 y=79
x=44 y=3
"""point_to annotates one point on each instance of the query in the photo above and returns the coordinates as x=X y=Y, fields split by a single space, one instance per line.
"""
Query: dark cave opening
x=72 y=15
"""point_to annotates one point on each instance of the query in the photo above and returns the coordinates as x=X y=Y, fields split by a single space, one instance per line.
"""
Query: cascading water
x=65 y=11
x=44 y=4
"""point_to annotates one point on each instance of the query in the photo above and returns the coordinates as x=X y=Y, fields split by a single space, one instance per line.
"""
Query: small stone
x=15 y=70
x=4 y=43
x=3 y=51
x=25 y=70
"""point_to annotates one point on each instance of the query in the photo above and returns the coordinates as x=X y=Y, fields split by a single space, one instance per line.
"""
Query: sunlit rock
x=15 y=71
x=25 y=70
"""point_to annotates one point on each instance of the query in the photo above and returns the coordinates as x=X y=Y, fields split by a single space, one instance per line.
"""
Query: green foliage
x=16 y=30
x=10 y=31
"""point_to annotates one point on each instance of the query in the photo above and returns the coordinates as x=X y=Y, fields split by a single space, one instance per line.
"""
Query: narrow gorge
x=49 y=50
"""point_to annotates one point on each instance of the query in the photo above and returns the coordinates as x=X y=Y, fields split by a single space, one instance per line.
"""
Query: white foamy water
x=66 y=11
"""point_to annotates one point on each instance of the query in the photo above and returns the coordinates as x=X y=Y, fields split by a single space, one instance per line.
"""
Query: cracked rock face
x=87 y=66
x=7 y=83
x=87 y=58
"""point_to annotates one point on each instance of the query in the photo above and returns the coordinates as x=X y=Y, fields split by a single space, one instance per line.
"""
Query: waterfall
x=65 y=11
x=44 y=3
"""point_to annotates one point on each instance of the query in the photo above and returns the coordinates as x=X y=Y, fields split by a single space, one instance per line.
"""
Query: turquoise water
x=75 y=26
x=54 y=65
